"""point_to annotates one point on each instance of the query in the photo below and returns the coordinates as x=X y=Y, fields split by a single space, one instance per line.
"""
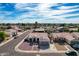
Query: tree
x=2 y=36
x=48 y=31
x=78 y=29
x=9 y=27
x=36 y=24
x=66 y=29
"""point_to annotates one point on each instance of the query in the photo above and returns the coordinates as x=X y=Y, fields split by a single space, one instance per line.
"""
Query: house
x=57 y=37
x=16 y=28
x=63 y=37
x=68 y=37
x=75 y=43
x=11 y=32
x=73 y=28
x=39 y=30
x=41 y=39
x=60 y=29
x=75 y=35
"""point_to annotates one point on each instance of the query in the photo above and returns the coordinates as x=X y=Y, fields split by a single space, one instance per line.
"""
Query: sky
x=40 y=12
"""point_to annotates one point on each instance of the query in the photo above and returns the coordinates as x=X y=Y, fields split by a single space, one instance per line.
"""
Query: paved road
x=8 y=49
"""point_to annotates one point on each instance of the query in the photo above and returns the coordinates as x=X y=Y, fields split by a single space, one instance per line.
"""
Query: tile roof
x=39 y=29
x=41 y=36
x=65 y=35
x=75 y=34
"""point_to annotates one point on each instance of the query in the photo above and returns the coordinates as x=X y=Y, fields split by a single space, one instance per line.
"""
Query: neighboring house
x=75 y=43
x=57 y=37
x=69 y=38
x=16 y=28
x=60 y=29
x=63 y=37
x=39 y=30
x=75 y=35
x=11 y=32
x=73 y=29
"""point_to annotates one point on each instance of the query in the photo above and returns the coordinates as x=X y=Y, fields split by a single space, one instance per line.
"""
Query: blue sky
x=40 y=12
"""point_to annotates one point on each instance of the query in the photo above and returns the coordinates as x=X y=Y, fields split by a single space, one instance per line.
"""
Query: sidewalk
x=23 y=47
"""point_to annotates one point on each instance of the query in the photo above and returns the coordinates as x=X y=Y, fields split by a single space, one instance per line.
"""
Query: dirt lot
x=60 y=47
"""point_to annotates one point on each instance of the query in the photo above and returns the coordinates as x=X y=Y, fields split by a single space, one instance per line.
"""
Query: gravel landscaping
x=60 y=47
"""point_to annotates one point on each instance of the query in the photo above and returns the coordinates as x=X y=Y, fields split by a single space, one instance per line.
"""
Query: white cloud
x=44 y=12
x=43 y=9
x=55 y=12
x=68 y=15
x=23 y=6
x=5 y=13
x=45 y=6
x=67 y=7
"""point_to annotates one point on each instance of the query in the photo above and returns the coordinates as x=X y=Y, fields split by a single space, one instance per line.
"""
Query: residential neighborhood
x=39 y=40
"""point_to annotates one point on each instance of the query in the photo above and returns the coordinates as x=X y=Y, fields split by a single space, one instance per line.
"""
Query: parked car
x=26 y=40
x=71 y=53
x=1 y=40
x=76 y=46
x=15 y=37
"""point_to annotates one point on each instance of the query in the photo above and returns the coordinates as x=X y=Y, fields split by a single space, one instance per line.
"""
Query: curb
x=23 y=51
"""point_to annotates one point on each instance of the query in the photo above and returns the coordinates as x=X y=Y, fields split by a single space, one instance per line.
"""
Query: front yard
x=60 y=47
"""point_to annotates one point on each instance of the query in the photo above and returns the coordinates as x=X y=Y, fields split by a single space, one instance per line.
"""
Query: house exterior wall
x=43 y=39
